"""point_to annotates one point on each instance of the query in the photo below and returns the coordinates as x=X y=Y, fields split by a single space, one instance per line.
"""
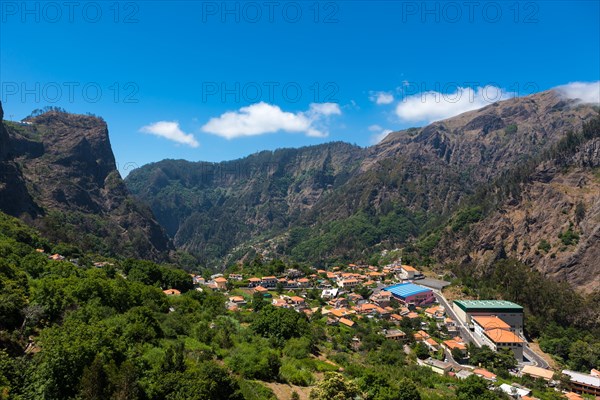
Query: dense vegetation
x=72 y=330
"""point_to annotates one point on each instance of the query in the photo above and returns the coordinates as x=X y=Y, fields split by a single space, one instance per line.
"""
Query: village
x=446 y=337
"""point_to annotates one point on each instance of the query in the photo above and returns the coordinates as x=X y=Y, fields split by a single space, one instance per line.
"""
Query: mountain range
x=517 y=178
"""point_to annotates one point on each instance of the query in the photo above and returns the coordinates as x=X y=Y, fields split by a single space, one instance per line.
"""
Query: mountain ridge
x=410 y=182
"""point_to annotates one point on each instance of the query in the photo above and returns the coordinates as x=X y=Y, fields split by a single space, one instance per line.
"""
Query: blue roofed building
x=409 y=293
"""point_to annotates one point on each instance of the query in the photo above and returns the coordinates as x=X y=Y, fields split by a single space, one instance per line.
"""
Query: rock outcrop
x=59 y=174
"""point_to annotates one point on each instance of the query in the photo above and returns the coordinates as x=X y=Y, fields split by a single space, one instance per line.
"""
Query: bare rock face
x=563 y=196
x=64 y=180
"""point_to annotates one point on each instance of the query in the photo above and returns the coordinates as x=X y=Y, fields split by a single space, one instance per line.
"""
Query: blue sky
x=203 y=80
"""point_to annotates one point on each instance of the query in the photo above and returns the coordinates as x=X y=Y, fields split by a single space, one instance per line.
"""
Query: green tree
x=94 y=381
x=474 y=388
x=407 y=391
x=335 y=387
x=421 y=350
x=280 y=324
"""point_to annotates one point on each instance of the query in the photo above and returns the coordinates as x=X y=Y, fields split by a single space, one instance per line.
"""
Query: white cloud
x=379 y=134
x=325 y=109
x=381 y=98
x=433 y=106
x=170 y=130
x=585 y=92
x=262 y=118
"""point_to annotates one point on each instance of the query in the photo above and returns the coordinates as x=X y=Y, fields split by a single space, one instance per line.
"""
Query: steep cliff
x=59 y=174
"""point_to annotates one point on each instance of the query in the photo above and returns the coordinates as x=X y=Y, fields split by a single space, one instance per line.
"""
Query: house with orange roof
x=260 y=289
x=366 y=308
x=297 y=300
x=347 y=322
x=436 y=312
x=485 y=374
x=573 y=396
x=348 y=283
x=340 y=312
x=449 y=322
x=407 y=272
x=498 y=339
x=338 y=302
x=485 y=322
x=253 y=282
x=375 y=275
x=432 y=344
x=303 y=282
x=268 y=281
x=280 y=303
x=382 y=312
x=412 y=315
x=382 y=298
x=396 y=318
x=421 y=335
x=237 y=300
x=291 y=284
x=453 y=344
x=172 y=292
x=355 y=297
x=221 y=283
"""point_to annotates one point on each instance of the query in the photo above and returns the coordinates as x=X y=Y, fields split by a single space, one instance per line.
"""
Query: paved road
x=468 y=336
x=463 y=330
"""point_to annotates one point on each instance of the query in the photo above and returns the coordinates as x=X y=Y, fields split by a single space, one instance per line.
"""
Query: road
x=467 y=335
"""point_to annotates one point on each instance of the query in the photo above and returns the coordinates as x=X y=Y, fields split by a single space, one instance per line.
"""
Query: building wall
x=514 y=319
x=461 y=314
x=516 y=348
x=421 y=298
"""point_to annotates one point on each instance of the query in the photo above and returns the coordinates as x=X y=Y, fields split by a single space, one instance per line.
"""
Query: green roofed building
x=507 y=311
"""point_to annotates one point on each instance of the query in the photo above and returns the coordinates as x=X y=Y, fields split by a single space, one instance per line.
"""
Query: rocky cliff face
x=553 y=225
x=14 y=197
x=60 y=175
x=432 y=170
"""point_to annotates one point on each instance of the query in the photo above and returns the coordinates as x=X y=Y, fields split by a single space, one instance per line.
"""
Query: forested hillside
x=208 y=209
x=75 y=329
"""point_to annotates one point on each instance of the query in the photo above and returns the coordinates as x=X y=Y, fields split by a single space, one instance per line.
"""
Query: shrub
x=544 y=246
x=511 y=129
x=569 y=237
x=296 y=372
